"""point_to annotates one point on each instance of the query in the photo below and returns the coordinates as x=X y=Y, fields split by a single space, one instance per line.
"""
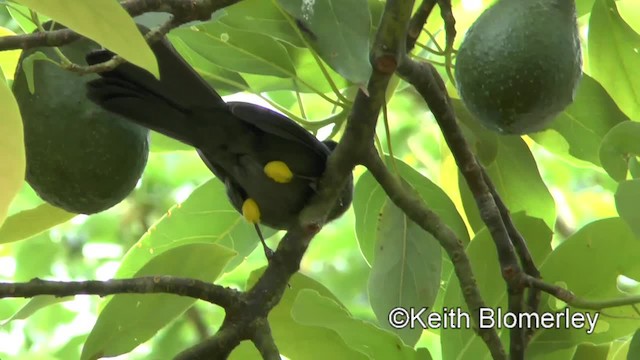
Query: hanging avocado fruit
x=519 y=64
x=80 y=157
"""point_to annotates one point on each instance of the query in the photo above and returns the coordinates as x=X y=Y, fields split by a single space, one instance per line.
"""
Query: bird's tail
x=162 y=105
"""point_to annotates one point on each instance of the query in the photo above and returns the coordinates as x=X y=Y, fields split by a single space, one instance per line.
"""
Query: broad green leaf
x=205 y=217
x=584 y=7
x=103 y=21
x=127 y=320
x=619 y=350
x=28 y=223
x=308 y=77
x=627 y=200
x=614 y=57
x=634 y=346
x=589 y=264
x=369 y=199
x=463 y=343
x=260 y=16
x=406 y=252
x=339 y=31
x=8 y=59
x=238 y=50
x=298 y=341
x=223 y=81
x=12 y=156
x=616 y=147
x=36 y=257
x=21 y=15
x=28 y=64
x=591 y=352
x=515 y=174
x=172 y=340
x=34 y=304
x=582 y=125
x=312 y=309
x=406 y=270
x=629 y=10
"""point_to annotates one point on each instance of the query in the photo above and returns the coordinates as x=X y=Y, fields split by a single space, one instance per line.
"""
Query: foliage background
x=573 y=190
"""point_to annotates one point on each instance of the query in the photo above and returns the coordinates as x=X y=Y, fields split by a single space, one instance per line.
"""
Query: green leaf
x=21 y=15
x=583 y=7
x=397 y=244
x=614 y=57
x=583 y=125
x=515 y=174
x=591 y=352
x=339 y=31
x=261 y=17
x=629 y=10
x=205 y=217
x=103 y=21
x=33 y=305
x=589 y=264
x=298 y=341
x=616 y=147
x=627 y=200
x=28 y=223
x=36 y=257
x=128 y=320
x=369 y=199
x=222 y=80
x=463 y=343
x=27 y=67
x=308 y=77
x=238 y=50
x=312 y=309
x=8 y=59
x=12 y=157
x=634 y=347
x=406 y=271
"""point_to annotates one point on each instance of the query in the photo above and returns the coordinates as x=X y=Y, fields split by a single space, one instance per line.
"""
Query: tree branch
x=571 y=299
x=429 y=84
x=417 y=22
x=196 y=289
x=184 y=11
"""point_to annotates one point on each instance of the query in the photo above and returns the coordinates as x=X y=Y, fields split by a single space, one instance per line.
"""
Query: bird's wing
x=277 y=124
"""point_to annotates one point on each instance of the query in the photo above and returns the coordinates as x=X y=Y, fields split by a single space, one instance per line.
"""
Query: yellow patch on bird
x=251 y=211
x=278 y=171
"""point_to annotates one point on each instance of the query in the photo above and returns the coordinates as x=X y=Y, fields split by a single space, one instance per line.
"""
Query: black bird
x=269 y=163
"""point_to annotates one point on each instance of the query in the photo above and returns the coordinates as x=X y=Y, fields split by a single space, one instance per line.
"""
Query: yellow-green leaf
x=28 y=223
x=103 y=21
x=12 y=158
x=8 y=59
x=128 y=320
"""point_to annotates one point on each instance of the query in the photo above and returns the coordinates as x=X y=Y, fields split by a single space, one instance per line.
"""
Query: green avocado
x=79 y=157
x=519 y=64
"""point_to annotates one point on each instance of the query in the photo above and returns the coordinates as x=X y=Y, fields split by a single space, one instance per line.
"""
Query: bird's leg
x=267 y=251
